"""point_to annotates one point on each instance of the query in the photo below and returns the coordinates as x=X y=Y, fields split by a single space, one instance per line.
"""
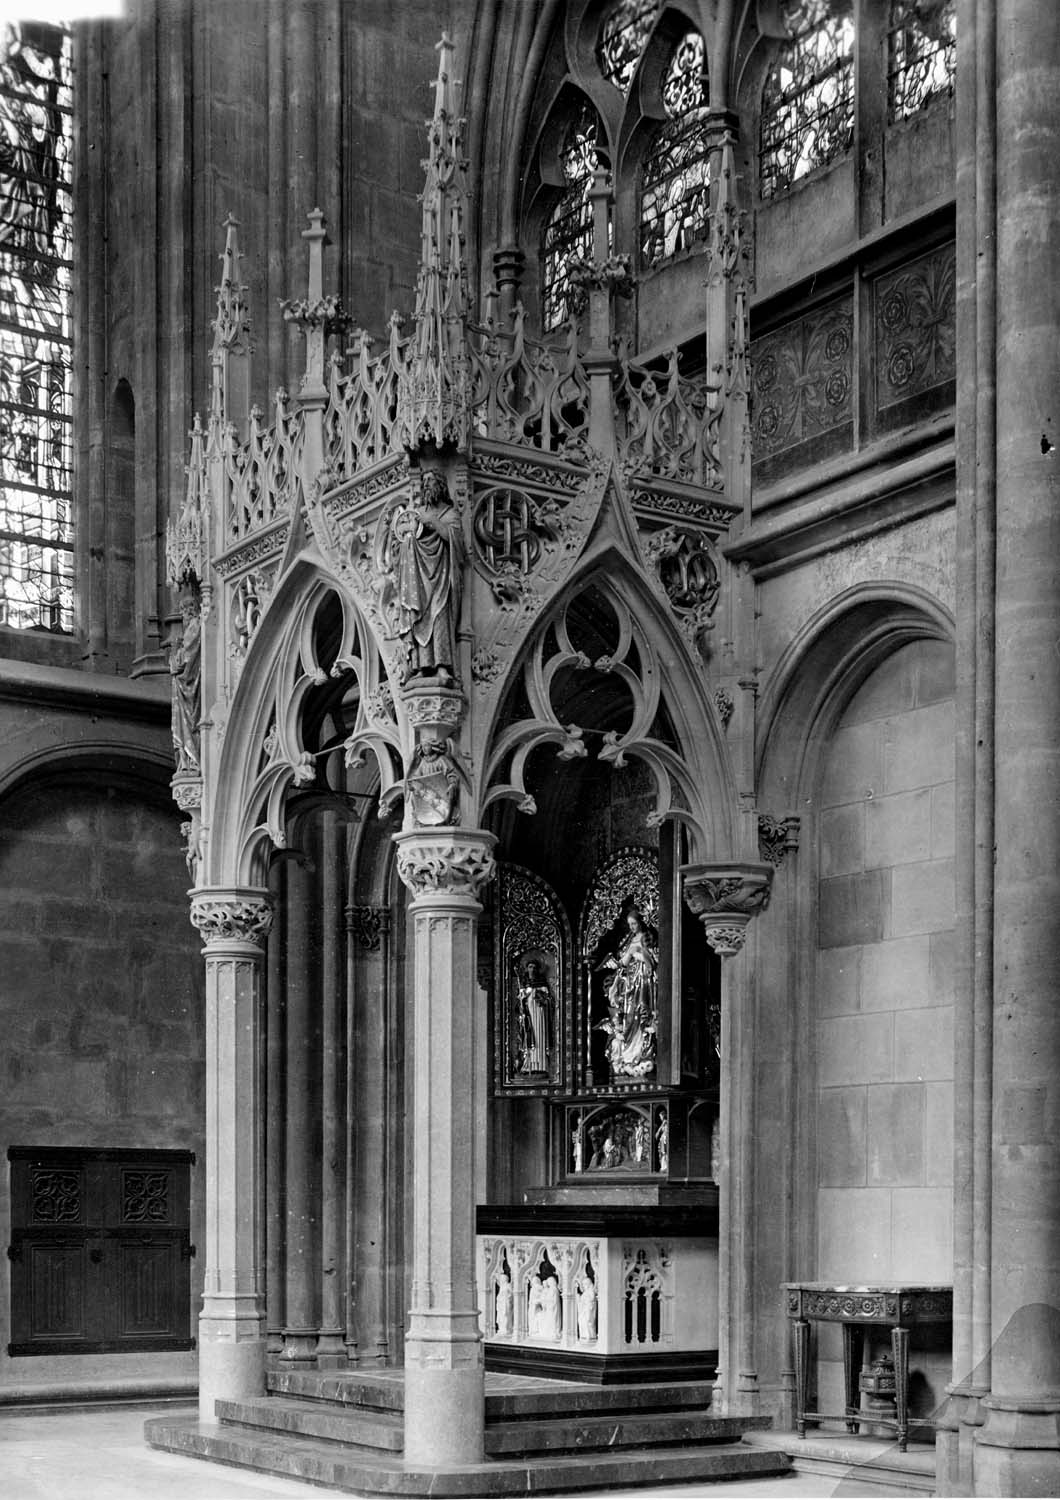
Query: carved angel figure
x=185 y=665
x=420 y=561
x=535 y=1009
x=632 y=1000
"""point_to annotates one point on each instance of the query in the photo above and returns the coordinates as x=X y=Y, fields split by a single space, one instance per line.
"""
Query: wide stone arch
x=822 y=668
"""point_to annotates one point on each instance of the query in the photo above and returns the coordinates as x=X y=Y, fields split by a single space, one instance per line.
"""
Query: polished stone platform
x=344 y=1432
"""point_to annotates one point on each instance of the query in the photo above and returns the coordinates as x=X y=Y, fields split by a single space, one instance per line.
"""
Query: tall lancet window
x=569 y=230
x=807 y=117
x=675 y=180
x=921 y=54
x=36 y=556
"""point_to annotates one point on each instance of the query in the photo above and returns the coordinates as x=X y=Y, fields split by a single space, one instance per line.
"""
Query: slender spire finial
x=230 y=353
x=434 y=389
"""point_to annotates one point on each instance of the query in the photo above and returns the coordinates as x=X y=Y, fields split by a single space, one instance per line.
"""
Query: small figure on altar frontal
x=420 y=561
x=504 y=1303
x=587 y=1310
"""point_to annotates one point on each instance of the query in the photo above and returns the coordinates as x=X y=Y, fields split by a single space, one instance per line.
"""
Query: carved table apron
x=857 y=1307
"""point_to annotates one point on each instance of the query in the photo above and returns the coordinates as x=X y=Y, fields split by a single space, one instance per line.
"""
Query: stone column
x=234 y=924
x=331 y=1346
x=725 y=897
x=444 y=869
x=1017 y=1450
x=301 y=1313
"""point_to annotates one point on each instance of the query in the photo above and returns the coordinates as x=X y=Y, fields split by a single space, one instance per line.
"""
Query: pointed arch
x=263 y=756
x=666 y=719
x=823 y=667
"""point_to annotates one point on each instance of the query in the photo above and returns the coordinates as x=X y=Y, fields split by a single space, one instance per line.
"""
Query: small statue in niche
x=419 y=557
x=551 y=1310
x=632 y=1001
x=535 y=1307
x=662 y=1142
x=185 y=666
x=577 y=1144
x=433 y=785
x=535 y=1009
x=640 y=1139
x=587 y=1309
x=504 y=1303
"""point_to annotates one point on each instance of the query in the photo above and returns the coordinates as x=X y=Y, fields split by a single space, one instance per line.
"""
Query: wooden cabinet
x=100 y=1251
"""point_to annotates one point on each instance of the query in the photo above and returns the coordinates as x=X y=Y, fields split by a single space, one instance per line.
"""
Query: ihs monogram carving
x=244 y=916
x=684 y=564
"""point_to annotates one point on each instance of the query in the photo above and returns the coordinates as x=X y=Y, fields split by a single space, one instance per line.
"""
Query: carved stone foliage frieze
x=455 y=862
x=532 y=981
x=803 y=379
x=777 y=836
x=230 y=916
x=915 y=328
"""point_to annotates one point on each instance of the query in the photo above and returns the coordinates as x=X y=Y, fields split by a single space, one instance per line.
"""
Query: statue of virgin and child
x=632 y=1000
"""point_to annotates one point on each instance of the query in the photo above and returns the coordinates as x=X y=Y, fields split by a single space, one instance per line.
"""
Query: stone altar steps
x=344 y=1432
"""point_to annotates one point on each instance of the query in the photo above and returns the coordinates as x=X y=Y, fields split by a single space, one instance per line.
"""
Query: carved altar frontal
x=605 y=1294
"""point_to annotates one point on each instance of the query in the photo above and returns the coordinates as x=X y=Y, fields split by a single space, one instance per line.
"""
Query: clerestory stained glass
x=623 y=37
x=921 y=54
x=569 y=232
x=807 y=115
x=675 y=181
x=36 y=565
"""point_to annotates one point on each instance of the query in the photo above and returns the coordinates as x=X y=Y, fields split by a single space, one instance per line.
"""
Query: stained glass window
x=623 y=37
x=36 y=572
x=808 y=100
x=569 y=231
x=921 y=54
x=675 y=181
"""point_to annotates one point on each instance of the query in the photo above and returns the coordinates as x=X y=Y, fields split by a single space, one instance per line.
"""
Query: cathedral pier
x=1018 y=1448
x=234 y=925
x=444 y=1371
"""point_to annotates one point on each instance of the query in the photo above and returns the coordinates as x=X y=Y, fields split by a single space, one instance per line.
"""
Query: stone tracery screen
x=36 y=564
x=807 y=117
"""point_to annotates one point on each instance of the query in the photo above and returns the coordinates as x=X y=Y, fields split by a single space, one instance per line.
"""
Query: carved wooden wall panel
x=100 y=1257
x=915 y=346
x=803 y=389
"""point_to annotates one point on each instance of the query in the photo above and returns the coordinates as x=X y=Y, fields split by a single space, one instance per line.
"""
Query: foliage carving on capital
x=451 y=862
x=227 y=916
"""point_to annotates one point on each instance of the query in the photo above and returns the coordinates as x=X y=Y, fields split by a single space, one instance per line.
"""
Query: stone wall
x=101 y=1009
x=884 y=1000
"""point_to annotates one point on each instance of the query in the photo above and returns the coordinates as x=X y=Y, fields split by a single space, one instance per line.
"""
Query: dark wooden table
x=895 y=1306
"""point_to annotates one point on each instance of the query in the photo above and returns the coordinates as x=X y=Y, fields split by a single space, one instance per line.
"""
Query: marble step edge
x=871 y=1461
x=546 y=1435
x=558 y=1399
x=292 y=1457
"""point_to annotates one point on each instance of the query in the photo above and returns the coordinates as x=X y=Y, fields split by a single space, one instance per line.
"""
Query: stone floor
x=94 y=1454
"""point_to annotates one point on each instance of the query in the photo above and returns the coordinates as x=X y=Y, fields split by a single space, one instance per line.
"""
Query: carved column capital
x=446 y=861
x=725 y=897
x=238 y=915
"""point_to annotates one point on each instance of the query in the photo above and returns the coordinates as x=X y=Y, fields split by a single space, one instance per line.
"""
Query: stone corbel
x=725 y=897
x=432 y=708
x=446 y=862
